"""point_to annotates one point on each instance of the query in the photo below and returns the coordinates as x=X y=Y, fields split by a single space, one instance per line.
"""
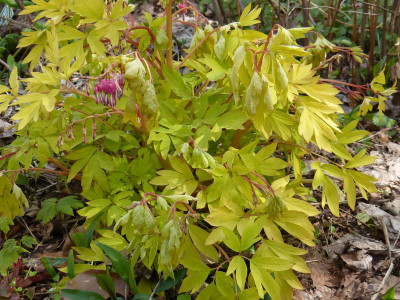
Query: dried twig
x=390 y=269
x=24 y=25
x=155 y=289
x=6 y=65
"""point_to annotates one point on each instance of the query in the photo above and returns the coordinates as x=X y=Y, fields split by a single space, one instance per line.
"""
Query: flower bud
x=84 y=133
x=94 y=127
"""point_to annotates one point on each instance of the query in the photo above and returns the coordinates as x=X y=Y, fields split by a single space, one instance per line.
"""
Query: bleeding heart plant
x=202 y=171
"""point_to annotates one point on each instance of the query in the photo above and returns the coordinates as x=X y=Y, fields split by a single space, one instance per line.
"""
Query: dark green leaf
x=81 y=295
x=56 y=261
x=141 y=297
x=67 y=204
x=120 y=264
x=48 y=210
x=49 y=268
x=107 y=284
x=9 y=254
x=132 y=281
x=28 y=241
x=89 y=232
x=70 y=265
x=79 y=239
x=169 y=282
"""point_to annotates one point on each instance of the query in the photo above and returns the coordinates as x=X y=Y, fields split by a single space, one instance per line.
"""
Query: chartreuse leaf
x=273 y=263
x=238 y=265
x=224 y=285
x=197 y=270
x=291 y=279
x=14 y=84
x=250 y=293
x=390 y=294
x=177 y=83
x=238 y=59
x=231 y=239
x=360 y=159
x=350 y=189
x=92 y=11
x=364 y=182
x=93 y=254
x=79 y=268
x=209 y=292
x=81 y=156
x=248 y=17
x=250 y=233
x=199 y=237
x=264 y=280
x=118 y=10
x=330 y=194
x=12 y=199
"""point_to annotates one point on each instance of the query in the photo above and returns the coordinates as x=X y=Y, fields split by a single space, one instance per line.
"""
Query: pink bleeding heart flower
x=107 y=91
x=182 y=6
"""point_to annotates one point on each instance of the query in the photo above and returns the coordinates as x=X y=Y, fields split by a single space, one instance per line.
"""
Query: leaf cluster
x=53 y=207
x=202 y=171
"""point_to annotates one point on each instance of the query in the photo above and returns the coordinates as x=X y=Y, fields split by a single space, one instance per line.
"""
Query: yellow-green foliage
x=202 y=170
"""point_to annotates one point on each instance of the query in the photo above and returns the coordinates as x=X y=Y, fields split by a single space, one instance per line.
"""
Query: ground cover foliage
x=196 y=177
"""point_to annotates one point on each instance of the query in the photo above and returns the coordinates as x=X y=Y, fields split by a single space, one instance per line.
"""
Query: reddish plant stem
x=168 y=11
x=62 y=167
x=8 y=155
x=91 y=117
x=150 y=61
x=236 y=140
x=143 y=201
x=100 y=76
x=87 y=114
x=238 y=7
x=125 y=4
x=271 y=32
x=38 y=169
x=186 y=23
x=363 y=87
x=196 y=12
x=151 y=33
x=265 y=181
x=173 y=208
x=223 y=252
